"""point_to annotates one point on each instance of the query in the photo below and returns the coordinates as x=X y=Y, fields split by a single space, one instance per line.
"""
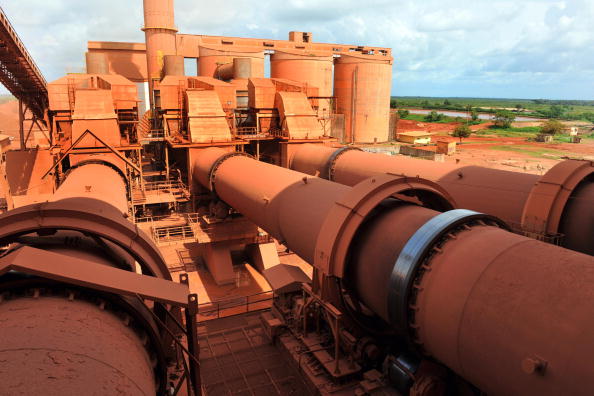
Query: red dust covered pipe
x=560 y=202
x=510 y=314
x=99 y=180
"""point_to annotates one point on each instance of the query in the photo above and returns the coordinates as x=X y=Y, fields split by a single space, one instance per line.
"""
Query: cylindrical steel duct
x=174 y=65
x=483 y=301
x=97 y=63
x=507 y=195
x=160 y=35
x=242 y=68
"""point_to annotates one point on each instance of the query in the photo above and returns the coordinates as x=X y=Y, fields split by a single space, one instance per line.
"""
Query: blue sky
x=477 y=48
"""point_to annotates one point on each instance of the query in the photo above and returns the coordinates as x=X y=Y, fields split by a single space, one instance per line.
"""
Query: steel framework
x=19 y=73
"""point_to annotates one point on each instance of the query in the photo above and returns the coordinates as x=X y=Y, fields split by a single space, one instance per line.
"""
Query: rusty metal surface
x=547 y=200
x=96 y=63
x=493 y=301
x=362 y=91
x=82 y=182
x=79 y=349
x=279 y=200
x=72 y=270
x=301 y=65
x=159 y=29
x=173 y=65
x=536 y=205
x=217 y=61
x=484 y=301
x=349 y=212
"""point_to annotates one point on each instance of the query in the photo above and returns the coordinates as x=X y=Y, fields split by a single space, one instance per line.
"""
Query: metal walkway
x=18 y=72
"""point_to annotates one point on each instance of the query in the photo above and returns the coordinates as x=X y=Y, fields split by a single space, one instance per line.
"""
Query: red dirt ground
x=517 y=153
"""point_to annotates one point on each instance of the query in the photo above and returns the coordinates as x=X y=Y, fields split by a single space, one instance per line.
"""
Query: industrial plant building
x=218 y=231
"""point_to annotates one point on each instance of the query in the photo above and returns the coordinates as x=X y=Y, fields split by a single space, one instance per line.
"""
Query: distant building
x=445 y=147
x=415 y=137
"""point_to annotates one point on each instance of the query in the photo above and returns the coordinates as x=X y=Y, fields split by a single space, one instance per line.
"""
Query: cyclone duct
x=461 y=288
x=560 y=202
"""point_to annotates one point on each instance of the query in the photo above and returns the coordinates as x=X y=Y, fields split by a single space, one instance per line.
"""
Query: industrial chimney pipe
x=160 y=35
x=560 y=202
x=491 y=305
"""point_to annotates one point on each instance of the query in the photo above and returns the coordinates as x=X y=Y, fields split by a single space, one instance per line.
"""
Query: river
x=482 y=116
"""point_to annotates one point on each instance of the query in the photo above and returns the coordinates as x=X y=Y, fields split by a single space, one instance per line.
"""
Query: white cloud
x=533 y=48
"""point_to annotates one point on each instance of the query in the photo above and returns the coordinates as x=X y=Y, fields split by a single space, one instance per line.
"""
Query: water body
x=482 y=116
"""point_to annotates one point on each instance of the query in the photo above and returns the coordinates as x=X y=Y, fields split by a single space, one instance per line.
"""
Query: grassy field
x=582 y=110
x=526 y=132
x=444 y=120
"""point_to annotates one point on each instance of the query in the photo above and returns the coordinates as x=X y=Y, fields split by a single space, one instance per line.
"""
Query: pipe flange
x=328 y=170
x=544 y=207
x=416 y=251
x=215 y=166
x=345 y=217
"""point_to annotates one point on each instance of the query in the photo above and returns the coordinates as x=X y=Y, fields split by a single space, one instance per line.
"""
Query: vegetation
x=434 y=116
x=503 y=119
x=403 y=113
x=552 y=127
x=462 y=131
x=578 y=110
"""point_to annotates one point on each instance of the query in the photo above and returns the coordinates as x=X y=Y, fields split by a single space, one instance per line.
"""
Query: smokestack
x=160 y=32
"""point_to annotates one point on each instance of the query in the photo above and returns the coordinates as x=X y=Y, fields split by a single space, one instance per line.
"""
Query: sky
x=448 y=48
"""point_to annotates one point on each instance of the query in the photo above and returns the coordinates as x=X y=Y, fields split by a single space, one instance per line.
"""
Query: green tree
x=503 y=119
x=474 y=115
x=447 y=102
x=462 y=131
x=402 y=113
x=556 y=111
x=552 y=127
x=519 y=107
x=434 y=116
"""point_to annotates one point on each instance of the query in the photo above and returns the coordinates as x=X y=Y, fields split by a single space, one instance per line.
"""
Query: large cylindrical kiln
x=558 y=203
x=481 y=300
x=304 y=66
x=70 y=318
x=362 y=86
